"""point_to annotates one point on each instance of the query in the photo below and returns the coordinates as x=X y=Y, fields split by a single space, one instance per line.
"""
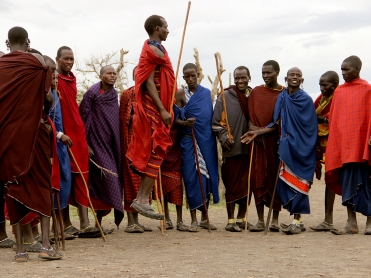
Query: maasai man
x=75 y=129
x=328 y=83
x=25 y=152
x=154 y=81
x=235 y=154
x=5 y=242
x=297 y=147
x=194 y=111
x=99 y=110
x=131 y=180
x=348 y=155
x=264 y=165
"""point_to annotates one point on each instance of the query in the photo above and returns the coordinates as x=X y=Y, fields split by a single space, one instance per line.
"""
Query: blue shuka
x=199 y=107
x=297 y=147
x=63 y=158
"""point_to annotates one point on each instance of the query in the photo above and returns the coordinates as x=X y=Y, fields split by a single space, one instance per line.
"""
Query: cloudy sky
x=314 y=35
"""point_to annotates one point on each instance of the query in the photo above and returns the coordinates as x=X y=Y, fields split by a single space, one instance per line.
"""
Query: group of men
x=122 y=155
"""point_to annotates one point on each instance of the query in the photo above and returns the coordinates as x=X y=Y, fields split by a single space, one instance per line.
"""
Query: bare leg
x=329 y=205
x=166 y=207
x=276 y=213
x=35 y=230
x=3 y=234
x=27 y=234
x=18 y=238
x=230 y=210
x=193 y=215
x=368 y=226
x=179 y=214
x=135 y=216
x=66 y=217
x=352 y=220
x=145 y=189
x=260 y=211
x=45 y=228
x=83 y=215
x=297 y=216
x=131 y=218
x=99 y=217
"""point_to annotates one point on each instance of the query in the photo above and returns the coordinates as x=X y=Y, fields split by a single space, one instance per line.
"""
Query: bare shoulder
x=157 y=51
x=39 y=57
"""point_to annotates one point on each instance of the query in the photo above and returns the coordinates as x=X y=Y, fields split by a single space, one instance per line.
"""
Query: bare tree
x=198 y=65
x=89 y=71
x=215 y=86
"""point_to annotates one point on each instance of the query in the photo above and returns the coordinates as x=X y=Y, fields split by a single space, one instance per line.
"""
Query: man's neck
x=65 y=73
x=17 y=48
x=293 y=90
x=192 y=90
x=275 y=85
x=155 y=38
x=105 y=87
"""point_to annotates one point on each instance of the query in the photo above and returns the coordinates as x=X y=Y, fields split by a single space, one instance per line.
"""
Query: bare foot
x=347 y=230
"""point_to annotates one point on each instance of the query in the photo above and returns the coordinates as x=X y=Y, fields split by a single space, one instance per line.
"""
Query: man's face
x=349 y=71
x=241 y=79
x=190 y=77
x=54 y=80
x=326 y=86
x=269 y=75
x=163 y=32
x=66 y=61
x=108 y=76
x=294 y=78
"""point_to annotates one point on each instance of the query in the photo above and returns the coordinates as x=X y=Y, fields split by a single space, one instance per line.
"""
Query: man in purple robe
x=99 y=111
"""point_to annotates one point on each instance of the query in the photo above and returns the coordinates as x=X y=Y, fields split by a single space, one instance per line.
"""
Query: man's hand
x=248 y=137
x=166 y=117
x=369 y=140
x=190 y=122
x=91 y=153
x=228 y=144
x=66 y=140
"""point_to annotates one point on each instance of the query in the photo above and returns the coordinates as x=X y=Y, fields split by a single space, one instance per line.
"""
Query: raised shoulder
x=157 y=51
x=39 y=57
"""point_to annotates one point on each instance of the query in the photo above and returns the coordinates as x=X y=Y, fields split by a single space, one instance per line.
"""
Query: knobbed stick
x=223 y=96
x=271 y=205
x=159 y=207
x=200 y=179
x=87 y=193
x=249 y=184
x=60 y=221
x=180 y=57
x=162 y=199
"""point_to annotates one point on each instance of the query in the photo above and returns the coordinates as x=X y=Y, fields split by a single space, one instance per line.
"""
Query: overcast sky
x=314 y=35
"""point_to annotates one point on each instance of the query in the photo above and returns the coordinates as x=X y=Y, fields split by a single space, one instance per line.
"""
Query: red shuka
x=261 y=104
x=350 y=129
x=72 y=124
x=143 y=140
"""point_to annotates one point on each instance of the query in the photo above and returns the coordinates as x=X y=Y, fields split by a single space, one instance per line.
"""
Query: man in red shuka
x=154 y=81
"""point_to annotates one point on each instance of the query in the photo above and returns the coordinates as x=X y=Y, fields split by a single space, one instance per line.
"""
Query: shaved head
x=190 y=66
x=17 y=35
x=354 y=61
x=105 y=68
x=331 y=76
x=294 y=69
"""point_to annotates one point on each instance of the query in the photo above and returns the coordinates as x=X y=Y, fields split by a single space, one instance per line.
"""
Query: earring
x=302 y=86
x=28 y=45
x=7 y=45
x=286 y=84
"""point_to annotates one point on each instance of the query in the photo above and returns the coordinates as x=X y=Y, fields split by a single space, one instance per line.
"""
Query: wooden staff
x=159 y=207
x=180 y=56
x=60 y=221
x=249 y=184
x=87 y=193
x=54 y=218
x=200 y=179
x=223 y=96
x=271 y=205
x=162 y=198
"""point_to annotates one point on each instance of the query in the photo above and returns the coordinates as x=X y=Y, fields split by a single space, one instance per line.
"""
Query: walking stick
x=159 y=207
x=87 y=193
x=54 y=218
x=271 y=205
x=180 y=56
x=200 y=179
x=249 y=184
x=60 y=221
x=223 y=97
x=162 y=198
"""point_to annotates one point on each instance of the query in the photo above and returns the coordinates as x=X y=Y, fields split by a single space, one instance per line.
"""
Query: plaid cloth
x=100 y=114
x=350 y=129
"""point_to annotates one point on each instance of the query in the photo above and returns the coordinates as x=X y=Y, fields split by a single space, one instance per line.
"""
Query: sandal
x=67 y=236
x=71 y=230
x=146 y=229
x=134 y=229
x=182 y=227
x=242 y=224
x=323 y=227
x=21 y=257
x=274 y=228
x=50 y=254
x=292 y=229
x=32 y=246
x=107 y=231
x=233 y=227
x=344 y=231
x=286 y=226
x=146 y=210
x=203 y=224
x=193 y=227
x=7 y=243
x=169 y=225
x=89 y=232
x=259 y=227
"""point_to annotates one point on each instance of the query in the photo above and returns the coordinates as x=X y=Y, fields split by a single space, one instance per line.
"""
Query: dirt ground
x=219 y=254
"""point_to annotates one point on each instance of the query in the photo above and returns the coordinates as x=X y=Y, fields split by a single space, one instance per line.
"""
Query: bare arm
x=250 y=135
x=181 y=102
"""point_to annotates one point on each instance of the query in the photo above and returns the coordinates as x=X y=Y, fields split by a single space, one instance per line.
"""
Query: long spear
x=87 y=193
x=60 y=221
x=180 y=56
x=271 y=204
x=200 y=179
x=159 y=207
x=223 y=96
